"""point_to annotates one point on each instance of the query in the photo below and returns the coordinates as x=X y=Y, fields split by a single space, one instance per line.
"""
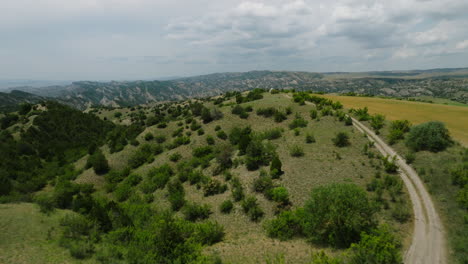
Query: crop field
x=454 y=117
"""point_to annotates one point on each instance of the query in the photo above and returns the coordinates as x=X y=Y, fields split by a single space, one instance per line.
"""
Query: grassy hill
x=170 y=167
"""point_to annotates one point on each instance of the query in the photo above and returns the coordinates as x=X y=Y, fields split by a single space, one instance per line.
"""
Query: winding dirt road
x=428 y=245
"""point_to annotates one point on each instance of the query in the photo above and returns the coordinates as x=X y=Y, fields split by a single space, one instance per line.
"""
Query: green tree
x=275 y=167
x=376 y=247
x=432 y=136
x=337 y=214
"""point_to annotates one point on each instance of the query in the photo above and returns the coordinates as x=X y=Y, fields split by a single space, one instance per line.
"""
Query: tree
x=337 y=214
x=100 y=164
x=376 y=247
x=432 y=136
x=206 y=115
x=341 y=139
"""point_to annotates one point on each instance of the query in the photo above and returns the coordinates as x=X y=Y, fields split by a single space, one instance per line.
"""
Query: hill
x=233 y=178
x=11 y=101
x=444 y=83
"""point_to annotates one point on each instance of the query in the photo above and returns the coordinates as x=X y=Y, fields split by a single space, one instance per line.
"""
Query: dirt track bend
x=428 y=244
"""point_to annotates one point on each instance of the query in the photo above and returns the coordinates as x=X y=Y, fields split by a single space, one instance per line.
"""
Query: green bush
x=81 y=249
x=160 y=139
x=336 y=214
x=46 y=202
x=298 y=122
x=377 y=122
x=176 y=194
x=279 y=195
x=376 y=247
x=209 y=233
x=236 y=189
x=432 y=136
x=194 y=212
x=252 y=208
x=213 y=187
x=341 y=139
x=149 y=136
x=222 y=135
x=210 y=140
x=296 y=151
x=310 y=139
x=226 y=207
x=98 y=162
x=275 y=167
x=123 y=191
x=175 y=157
x=263 y=184
x=285 y=226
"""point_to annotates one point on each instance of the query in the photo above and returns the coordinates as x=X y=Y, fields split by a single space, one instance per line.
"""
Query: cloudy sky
x=144 y=39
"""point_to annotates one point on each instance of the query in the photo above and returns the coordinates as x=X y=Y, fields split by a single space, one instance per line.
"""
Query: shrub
x=209 y=233
x=275 y=167
x=123 y=191
x=81 y=249
x=222 y=135
x=348 y=121
x=272 y=134
x=279 y=117
x=296 y=151
x=226 y=207
x=263 y=184
x=202 y=151
x=237 y=189
x=279 y=195
x=176 y=195
x=401 y=212
x=252 y=209
x=46 y=203
x=376 y=247
x=377 y=122
x=213 y=187
x=149 y=136
x=313 y=114
x=432 y=136
x=160 y=139
x=210 y=140
x=341 y=139
x=310 y=139
x=285 y=226
x=410 y=157
x=98 y=161
x=175 y=157
x=298 y=122
x=194 y=212
x=337 y=214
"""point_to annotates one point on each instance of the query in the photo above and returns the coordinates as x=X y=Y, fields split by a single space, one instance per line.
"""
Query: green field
x=454 y=117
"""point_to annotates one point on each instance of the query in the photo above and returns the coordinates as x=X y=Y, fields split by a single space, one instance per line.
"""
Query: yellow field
x=454 y=117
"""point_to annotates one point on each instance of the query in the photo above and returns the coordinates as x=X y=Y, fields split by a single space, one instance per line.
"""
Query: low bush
x=285 y=226
x=194 y=212
x=252 y=208
x=226 y=207
x=209 y=233
x=296 y=151
x=341 y=139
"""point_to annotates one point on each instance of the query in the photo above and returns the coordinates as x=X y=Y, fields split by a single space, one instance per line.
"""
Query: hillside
x=234 y=178
x=443 y=83
x=11 y=101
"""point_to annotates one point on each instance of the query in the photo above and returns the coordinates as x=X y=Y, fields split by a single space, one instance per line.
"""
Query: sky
x=148 y=39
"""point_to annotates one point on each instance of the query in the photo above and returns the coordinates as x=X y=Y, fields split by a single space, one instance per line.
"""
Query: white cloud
x=315 y=35
x=462 y=45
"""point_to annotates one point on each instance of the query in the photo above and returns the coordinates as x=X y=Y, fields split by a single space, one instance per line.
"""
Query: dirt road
x=428 y=245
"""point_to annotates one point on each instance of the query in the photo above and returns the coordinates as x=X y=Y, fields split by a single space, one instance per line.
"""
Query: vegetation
x=432 y=136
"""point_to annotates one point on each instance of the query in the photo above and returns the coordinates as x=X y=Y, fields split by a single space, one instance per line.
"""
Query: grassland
x=246 y=241
x=454 y=117
x=28 y=236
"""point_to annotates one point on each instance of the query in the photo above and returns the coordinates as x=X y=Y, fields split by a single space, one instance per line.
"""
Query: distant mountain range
x=444 y=83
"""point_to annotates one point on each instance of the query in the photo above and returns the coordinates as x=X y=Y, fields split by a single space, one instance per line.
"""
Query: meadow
x=454 y=117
